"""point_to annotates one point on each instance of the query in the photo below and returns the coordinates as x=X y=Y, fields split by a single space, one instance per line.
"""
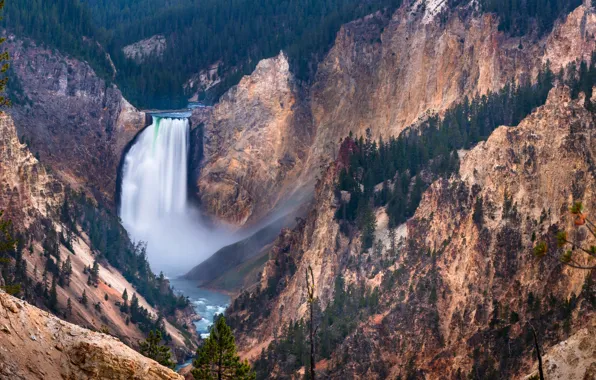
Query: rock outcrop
x=387 y=73
x=255 y=144
x=27 y=189
x=572 y=359
x=461 y=292
x=150 y=47
x=72 y=119
x=50 y=348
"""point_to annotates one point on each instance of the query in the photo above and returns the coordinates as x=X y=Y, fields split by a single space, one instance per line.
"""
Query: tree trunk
x=541 y=373
x=312 y=342
x=219 y=364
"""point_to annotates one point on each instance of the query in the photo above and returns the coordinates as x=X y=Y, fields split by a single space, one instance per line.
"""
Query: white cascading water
x=154 y=205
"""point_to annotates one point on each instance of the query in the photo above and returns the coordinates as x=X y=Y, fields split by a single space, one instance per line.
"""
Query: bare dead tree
x=538 y=354
x=310 y=291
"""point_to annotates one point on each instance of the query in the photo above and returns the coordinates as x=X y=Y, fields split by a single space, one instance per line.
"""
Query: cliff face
x=50 y=348
x=384 y=72
x=75 y=121
x=151 y=47
x=255 y=144
x=460 y=292
x=27 y=189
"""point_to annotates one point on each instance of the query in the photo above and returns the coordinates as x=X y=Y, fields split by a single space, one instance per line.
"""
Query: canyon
x=459 y=295
x=31 y=197
x=454 y=281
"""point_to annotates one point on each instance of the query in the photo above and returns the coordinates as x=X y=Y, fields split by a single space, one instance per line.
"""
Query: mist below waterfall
x=154 y=205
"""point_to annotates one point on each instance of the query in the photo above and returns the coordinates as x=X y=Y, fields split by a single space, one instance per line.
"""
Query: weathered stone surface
x=150 y=47
x=572 y=359
x=255 y=144
x=27 y=190
x=386 y=74
x=74 y=120
x=62 y=350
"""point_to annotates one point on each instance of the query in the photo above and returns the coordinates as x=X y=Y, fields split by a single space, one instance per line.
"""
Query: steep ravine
x=32 y=196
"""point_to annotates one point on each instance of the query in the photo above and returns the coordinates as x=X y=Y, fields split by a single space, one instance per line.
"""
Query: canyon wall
x=385 y=72
x=255 y=144
x=73 y=120
x=28 y=190
x=31 y=197
x=460 y=283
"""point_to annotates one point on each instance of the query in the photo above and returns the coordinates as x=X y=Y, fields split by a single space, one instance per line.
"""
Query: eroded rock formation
x=50 y=348
x=255 y=144
x=76 y=122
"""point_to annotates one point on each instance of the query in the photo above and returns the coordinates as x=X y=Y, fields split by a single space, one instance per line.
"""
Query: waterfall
x=154 y=205
x=154 y=174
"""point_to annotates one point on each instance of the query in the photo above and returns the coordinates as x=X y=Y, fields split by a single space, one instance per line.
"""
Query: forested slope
x=234 y=34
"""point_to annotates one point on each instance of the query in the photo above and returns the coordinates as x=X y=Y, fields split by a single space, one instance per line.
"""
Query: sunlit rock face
x=27 y=189
x=69 y=351
x=73 y=120
x=384 y=72
x=255 y=144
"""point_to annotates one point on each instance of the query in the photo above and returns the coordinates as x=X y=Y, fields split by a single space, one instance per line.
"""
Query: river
x=206 y=303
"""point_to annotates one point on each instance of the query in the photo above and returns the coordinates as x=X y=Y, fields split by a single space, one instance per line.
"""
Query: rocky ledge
x=50 y=348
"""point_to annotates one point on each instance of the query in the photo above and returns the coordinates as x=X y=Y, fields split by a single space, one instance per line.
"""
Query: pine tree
x=392 y=242
x=66 y=272
x=134 y=303
x=68 y=308
x=4 y=58
x=310 y=291
x=94 y=273
x=53 y=296
x=124 y=306
x=7 y=245
x=217 y=358
x=44 y=280
x=134 y=309
x=152 y=349
x=84 y=299
x=478 y=215
x=379 y=248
